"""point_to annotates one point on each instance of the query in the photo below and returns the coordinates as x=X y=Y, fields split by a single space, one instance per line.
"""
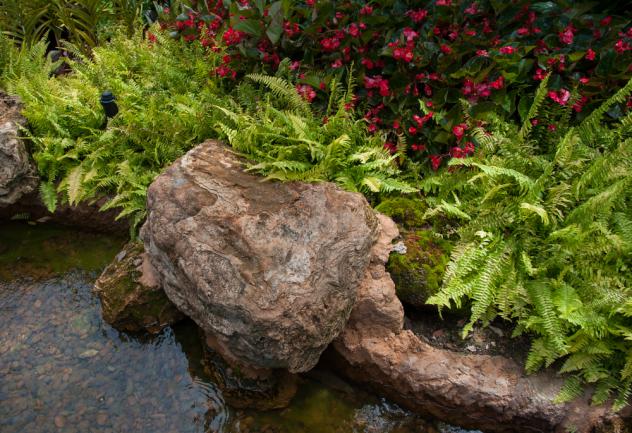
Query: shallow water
x=62 y=369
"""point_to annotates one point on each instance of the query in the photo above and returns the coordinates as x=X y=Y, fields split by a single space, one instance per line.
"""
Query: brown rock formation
x=268 y=270
x=491 y=393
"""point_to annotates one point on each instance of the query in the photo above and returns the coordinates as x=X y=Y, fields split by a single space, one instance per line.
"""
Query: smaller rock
x=60 y=421
x=88 y=354
x=102 y=418
x=496 y=331
x=131 y=297
x=399 y=248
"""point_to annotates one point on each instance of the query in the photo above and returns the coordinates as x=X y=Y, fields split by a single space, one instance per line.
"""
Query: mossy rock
x=131 y=298
x=418 y=273
x=406 y=212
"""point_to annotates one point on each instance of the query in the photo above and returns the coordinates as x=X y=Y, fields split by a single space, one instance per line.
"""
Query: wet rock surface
x=131 y=297
x=478 y=391
x=269 y=270
x=18 y=175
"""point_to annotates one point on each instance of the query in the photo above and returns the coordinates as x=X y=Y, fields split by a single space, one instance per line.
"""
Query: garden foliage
x=165 y=105
x=169 y=102
x=78 y=21
x=539 y=181
x=492 y=53
x=546 y=241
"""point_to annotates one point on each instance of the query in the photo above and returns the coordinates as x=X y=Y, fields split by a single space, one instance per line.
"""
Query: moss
x=45 y=249
x=406 y=212
x=127 y=304
x=418 y=273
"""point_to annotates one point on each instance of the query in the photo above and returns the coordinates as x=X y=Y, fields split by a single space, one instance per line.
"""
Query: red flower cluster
x=446 y=50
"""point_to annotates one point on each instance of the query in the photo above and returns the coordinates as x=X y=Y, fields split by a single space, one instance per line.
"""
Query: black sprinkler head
x=109 y=106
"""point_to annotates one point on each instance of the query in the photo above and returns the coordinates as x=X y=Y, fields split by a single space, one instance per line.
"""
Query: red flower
x=353 y=30
x=417 y=15
x=606 y=21
x=539 y=74
x=444 y=2
x=336 y=64
x=377 y=82
x=445 y=49
x=459 y=131
x=366 y=10
x=561 y=97
x=418 y=147
x=507 y=50
x=224 y=71
x=391 y=147
x=412 y=130
x=498 y=83
x=435 y=161
x=310 y=2
x=482 y=53
x=621 y=47
x=232 y=36
x=471 y=9
x=590 y=54
x=523 y=31
x=409 y=34
x=566 y=36
x=306 y=91
x=330 y=44
x=577 y=106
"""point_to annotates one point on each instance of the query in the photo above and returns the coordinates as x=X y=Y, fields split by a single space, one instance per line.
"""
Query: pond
x=63 y=369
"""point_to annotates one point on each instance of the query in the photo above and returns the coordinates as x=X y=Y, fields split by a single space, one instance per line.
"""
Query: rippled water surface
x=62 y=369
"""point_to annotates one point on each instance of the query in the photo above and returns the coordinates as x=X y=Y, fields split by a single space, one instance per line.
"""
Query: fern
x=546 y=240
x=287 y=140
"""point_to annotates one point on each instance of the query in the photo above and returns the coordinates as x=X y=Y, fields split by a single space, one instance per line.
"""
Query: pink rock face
x=18 y=175
x=269 y=270
x=490 y=393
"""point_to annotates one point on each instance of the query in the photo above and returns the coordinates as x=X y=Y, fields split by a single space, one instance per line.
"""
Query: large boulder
x=268 y=270
x=18 y=175
x=131 y=297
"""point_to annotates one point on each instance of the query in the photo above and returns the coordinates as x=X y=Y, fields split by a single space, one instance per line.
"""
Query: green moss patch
x=418 y=273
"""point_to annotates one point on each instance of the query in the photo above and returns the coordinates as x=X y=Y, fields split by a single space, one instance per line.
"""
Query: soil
x=445 y=333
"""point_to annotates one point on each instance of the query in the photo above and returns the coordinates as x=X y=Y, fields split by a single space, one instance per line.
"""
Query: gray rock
x=18 y=175
x=268 y=270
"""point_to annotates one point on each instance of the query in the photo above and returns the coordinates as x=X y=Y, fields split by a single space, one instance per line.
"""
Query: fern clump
x=289 y=141
x=164 y=92
x=546 y=241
